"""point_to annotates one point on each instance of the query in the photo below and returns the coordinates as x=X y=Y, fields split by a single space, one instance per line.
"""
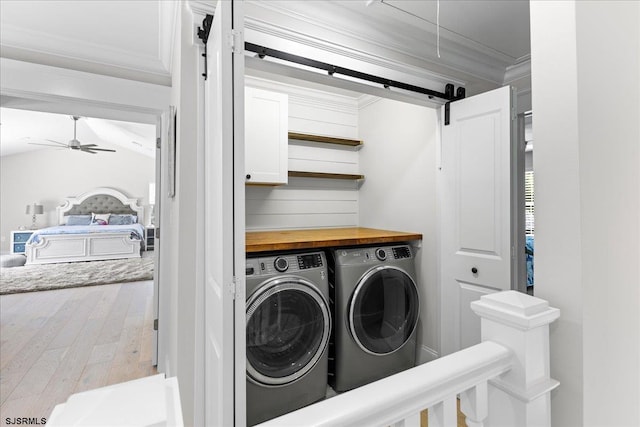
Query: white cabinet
x=266 y=136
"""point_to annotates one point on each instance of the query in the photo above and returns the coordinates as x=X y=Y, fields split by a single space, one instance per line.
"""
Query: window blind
x=529 y=196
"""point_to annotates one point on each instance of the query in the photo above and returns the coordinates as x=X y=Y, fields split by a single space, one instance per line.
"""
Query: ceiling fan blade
x=47 y=145
x=56 y=142
x=88 y=151
x=98 y=149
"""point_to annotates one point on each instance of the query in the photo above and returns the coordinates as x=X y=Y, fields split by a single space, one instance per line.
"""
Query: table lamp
x=34 y=209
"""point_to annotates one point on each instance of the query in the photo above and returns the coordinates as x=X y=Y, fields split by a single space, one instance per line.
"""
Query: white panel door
x=475 y=210
x=224 y=221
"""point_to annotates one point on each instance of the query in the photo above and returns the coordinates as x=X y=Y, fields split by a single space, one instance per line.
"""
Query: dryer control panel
x=373 y=255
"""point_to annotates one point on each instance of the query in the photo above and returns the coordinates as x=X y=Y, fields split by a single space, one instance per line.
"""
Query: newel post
x=520 y=397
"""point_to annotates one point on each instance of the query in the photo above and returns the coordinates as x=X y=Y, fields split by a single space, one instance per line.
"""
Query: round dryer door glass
x=384 y=310
x=288 y=326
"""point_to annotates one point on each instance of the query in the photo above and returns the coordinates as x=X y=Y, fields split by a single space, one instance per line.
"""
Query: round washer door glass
x=288 y=326
x=384 y=310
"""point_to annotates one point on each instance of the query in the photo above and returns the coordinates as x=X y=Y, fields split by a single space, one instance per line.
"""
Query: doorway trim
x=93 y=95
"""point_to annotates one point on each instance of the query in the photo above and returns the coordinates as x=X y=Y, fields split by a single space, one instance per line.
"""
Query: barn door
x=224 y=344
x=475 y=216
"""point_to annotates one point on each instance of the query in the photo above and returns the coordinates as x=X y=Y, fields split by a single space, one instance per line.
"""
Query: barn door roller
x=203 y=34
x=460 y=94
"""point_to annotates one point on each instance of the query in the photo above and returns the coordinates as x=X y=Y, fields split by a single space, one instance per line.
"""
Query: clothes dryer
x=287 y=332
x=376 y=309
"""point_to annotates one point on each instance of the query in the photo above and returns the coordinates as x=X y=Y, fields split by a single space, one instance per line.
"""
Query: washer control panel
x=401 y=252
x=285 y=263
x=309 y=261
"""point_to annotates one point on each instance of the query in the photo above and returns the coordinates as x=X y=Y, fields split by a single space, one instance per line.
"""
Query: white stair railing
x=504 y=381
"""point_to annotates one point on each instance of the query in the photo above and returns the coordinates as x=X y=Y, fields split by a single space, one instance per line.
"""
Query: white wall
x=48 y=176
x=399 y=193
x=587 y=158
x=608 y=36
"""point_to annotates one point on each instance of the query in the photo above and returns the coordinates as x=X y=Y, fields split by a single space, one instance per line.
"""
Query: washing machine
x=287 y=331
x=376 y=309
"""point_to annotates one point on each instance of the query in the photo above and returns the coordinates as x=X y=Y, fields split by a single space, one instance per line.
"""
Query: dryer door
x=288 y=326
x=384 y=310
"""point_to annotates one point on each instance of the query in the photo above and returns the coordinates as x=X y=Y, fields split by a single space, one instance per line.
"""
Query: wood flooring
x=60 y=342
x=461 y=419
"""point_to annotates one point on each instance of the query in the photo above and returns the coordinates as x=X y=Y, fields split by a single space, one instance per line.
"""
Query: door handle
x=474 y=270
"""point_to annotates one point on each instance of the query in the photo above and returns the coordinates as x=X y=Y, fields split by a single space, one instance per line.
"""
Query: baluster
x=412 y=420
x=474 y=404
x=444 y=414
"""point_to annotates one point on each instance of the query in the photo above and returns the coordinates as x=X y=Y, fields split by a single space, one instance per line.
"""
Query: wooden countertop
x=262 y=241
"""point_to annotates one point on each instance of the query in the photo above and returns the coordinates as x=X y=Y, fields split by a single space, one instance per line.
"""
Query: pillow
x=78 y=219
x=122 y=219
x=100 y=219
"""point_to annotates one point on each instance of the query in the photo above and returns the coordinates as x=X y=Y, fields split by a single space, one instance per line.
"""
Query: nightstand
x=18 y=241
x=149 y=238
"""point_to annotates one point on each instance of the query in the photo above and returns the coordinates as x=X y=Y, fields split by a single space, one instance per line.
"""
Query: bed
x=113 y=230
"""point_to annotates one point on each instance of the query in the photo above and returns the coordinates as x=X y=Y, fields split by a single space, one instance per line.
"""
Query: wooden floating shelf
x=299 y=174
x=325 y=139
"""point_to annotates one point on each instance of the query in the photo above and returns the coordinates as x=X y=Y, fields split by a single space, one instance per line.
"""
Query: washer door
x=384 y=310
x=288 y=326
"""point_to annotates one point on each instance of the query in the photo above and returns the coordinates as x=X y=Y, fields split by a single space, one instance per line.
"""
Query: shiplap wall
x=310 y=202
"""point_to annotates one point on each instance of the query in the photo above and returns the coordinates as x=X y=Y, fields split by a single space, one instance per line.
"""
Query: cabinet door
x=266 y=136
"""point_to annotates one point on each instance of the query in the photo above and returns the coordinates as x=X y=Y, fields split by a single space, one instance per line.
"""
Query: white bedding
x=136 y=231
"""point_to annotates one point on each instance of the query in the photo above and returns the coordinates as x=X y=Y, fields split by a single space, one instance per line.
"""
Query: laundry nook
x=327 y=213
x=343 y=192
x=328 y=310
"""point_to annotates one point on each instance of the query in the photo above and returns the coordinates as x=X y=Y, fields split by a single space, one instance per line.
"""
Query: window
x=528 y=203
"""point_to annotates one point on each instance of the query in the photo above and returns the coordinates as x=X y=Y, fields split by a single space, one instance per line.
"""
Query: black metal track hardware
x=460 y=94
x=333 y=69
x=203 y=34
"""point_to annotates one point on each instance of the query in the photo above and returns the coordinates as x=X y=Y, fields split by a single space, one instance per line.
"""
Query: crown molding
x=519 y=70
x=202 y=7
x=168 y=28
x=366 y=100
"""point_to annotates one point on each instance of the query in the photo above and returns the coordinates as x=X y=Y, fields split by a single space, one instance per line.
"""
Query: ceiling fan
x=74 y=144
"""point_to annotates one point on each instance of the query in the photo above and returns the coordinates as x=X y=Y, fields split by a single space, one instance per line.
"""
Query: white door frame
x=228 y=388
x=102 y=97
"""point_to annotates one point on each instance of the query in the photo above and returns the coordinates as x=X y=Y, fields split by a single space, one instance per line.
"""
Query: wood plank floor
x=461 y=419
x=56 y=343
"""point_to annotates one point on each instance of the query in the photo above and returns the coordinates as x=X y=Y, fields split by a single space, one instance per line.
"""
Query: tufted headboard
x=100 y=200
